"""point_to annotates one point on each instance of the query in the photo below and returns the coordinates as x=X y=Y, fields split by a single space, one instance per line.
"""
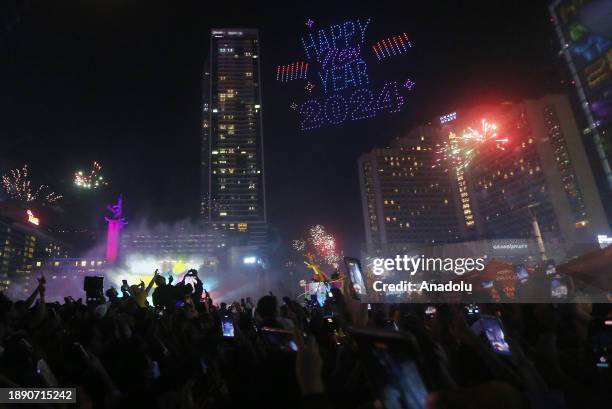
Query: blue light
x=350 y=75
x=361 y=105
x=362 y=100
x=348 y=33
x=335 y=36
x=335 y=109
x=362 y=29
x=309 y=45
x=389 y=98
x=342 y=73
x=311 y=111
x=323 y=43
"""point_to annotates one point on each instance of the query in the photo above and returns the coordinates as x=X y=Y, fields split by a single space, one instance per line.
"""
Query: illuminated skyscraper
x=543 y=167
x=232 y=178
x=542 y=170
x=584 y=31
x=22 y=241
x=405 y=201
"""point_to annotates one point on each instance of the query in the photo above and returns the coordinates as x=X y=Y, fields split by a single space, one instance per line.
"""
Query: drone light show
x=391 y=46
x=293 y=71
x=337 y=83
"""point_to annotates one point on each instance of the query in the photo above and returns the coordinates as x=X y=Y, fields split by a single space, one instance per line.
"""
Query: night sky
x=119 y=81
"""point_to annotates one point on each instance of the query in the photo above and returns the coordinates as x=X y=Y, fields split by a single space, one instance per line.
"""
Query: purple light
x=112 y=241
x=336 y=109
x=409 y=84
x=338 y=58
x=115 y=225
x=309 y=23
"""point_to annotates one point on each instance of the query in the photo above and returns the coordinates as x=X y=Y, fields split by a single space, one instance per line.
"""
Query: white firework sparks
x=18 y=186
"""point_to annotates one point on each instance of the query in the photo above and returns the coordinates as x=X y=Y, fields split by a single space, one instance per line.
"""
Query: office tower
x=584 y=31
x=542 y=170
x=405 y=201
x=22 y=240
x=233 y=182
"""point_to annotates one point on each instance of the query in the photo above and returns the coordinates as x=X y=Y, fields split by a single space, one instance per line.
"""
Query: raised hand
x=355 y=311
x=308 y=364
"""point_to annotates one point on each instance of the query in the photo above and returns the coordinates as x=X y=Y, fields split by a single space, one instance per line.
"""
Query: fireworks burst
x=299 y=245
x=459 y=151
x=18 y=186
x=320 y=244
x=92 y=180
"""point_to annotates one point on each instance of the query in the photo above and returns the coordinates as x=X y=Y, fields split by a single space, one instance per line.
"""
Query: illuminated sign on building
x=603 y=240
x=31 y=218
x=510 y=247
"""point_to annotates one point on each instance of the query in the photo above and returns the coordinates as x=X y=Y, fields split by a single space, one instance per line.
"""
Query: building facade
x=64 y=276
x=233 y=182
x=206 y=246
x=584 y=32
x=405 y=200
x=542 y=171
x=22 y=241
x=534 y=168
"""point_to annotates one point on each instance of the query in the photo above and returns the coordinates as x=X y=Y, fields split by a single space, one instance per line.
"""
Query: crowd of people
x=186 y=351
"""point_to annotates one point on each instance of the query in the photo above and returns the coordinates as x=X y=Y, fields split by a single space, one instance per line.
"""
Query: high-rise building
x=22 y=240
x=584 y=31
x=542 y=170
x=233 y=182
x=405 y=201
